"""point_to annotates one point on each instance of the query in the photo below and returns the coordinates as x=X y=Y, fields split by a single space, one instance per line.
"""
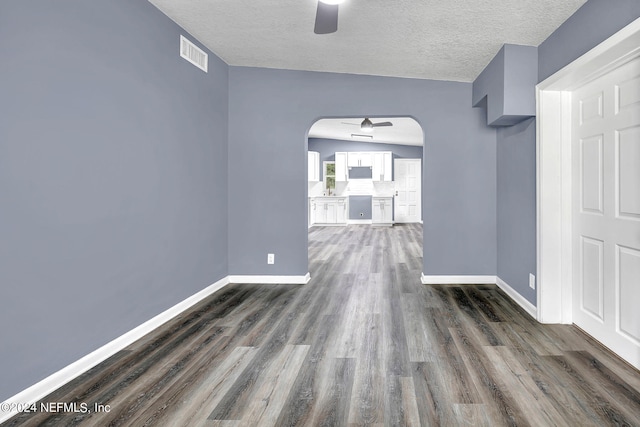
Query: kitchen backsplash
x=315 y=188
x=358 y=187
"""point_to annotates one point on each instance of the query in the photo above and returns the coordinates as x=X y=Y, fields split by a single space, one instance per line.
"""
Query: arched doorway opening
x=365 y=172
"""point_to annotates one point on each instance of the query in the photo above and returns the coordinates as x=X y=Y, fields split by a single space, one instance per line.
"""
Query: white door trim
x=553 y=168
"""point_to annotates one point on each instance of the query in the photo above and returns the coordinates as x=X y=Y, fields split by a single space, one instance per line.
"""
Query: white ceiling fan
x=327 y=16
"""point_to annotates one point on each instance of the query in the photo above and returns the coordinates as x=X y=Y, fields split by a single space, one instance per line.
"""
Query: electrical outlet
x=271 y=259
x=532 y=281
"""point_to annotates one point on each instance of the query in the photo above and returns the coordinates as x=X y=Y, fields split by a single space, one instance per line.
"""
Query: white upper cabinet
x=341 y=166
x=381 y=169
x=379 y=161
x=353 y=160
x=314 y=166
x=359 y=159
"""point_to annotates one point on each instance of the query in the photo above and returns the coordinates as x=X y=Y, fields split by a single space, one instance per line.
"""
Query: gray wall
x=360 y=205
x=520 y=77
x=267 y=165
x=594 y=22
x=360 y=173
x=328 y=147
x=488 y=88
x=113 y=210
x=516 y=184
x=113 y=178
x=506 y=86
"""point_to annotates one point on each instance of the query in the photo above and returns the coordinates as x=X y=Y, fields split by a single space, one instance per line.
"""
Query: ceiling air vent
x=193 y=54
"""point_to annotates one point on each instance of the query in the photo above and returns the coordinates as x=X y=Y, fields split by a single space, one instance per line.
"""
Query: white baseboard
x=519 y=299
x=483 y=280
x=77 y=368
x=271 y=280
x=457 y=280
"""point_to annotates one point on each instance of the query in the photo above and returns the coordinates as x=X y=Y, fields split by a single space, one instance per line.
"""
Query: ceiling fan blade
x=326 y=18
x=351 y=124
x=381 y=124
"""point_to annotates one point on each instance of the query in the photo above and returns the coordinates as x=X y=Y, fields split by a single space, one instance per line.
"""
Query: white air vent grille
x=193 y=54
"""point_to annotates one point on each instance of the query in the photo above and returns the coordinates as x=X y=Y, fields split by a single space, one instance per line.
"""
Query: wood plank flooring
x=364 y=343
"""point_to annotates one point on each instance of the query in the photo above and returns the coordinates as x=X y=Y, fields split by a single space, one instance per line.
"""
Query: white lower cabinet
x=382 y=210
x=341 y=211
x=329 y=210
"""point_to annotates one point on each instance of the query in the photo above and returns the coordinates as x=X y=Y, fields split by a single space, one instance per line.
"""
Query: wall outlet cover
x=532 y=281
x=271 y=259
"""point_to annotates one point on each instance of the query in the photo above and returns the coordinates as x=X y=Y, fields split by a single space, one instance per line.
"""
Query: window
x=329 y=175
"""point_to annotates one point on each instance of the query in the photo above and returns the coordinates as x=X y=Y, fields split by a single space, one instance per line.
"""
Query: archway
x=364 y=177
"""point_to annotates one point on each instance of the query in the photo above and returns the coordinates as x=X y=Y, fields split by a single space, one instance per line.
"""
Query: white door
x=606 y=209
x=407 y=200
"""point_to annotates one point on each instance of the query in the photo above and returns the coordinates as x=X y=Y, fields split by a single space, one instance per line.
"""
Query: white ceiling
x=405 y=130
x=427 y=39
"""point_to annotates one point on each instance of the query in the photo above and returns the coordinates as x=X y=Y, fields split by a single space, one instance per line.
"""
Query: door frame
x=553 y=169
x=419 y=184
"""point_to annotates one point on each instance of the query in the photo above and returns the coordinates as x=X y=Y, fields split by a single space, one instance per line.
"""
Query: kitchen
x=375 y=181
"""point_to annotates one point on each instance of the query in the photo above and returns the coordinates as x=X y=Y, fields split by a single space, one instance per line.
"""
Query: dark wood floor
x=364 y=343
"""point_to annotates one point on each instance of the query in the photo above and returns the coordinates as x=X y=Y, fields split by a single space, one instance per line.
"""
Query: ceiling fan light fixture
x=332 y=2
x=366 y=125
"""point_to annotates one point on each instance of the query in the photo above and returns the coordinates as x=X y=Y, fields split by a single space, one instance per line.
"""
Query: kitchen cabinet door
x=330 y=208
x=359 y=159
x=321 y=213
x=353 y=159
x=387 y=210
x=382 y=210
x=381 y=169
x=314 y=166
x=341 y=212
x=366 y=159
x=341 y=167
x=387 y=160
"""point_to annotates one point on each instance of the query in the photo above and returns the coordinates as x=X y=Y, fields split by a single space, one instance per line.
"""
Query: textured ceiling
x=428 y=39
